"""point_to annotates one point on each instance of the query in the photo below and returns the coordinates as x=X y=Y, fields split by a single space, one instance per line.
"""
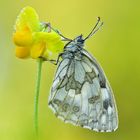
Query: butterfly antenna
x=95 y=29
x=64 y=38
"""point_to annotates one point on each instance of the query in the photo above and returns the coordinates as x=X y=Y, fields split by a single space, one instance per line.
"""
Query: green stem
x=37 y=89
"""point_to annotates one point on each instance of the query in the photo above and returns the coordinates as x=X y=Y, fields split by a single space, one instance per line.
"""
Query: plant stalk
x=36 y=99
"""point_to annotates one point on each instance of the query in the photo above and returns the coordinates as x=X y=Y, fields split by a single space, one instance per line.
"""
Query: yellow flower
x=30 y=38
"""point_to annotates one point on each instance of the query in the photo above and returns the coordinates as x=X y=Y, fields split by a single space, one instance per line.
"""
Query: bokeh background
x=116 y=46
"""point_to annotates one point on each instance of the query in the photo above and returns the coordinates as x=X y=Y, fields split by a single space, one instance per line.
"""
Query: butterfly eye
x=80 y=40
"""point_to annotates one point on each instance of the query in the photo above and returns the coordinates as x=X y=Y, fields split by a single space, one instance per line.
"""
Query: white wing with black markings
x=81 y=94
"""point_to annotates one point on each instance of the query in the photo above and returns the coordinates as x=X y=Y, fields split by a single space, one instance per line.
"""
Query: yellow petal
x=52 y=39
x=28 y=17
x=52 y=36
x=22 y=52
x=39 y=36
x=23 y=38
x=38 y=49
x=56 y=47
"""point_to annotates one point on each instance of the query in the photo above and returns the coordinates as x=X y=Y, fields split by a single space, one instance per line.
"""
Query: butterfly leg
x=55 y=62
x=55 y=30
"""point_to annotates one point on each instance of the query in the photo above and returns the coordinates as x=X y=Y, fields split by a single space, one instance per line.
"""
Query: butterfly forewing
x=80 y=96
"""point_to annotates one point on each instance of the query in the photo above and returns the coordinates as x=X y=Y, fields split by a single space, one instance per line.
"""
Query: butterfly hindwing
x=79 y=97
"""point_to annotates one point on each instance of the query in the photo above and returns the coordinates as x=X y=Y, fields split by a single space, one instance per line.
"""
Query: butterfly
x=81 y=93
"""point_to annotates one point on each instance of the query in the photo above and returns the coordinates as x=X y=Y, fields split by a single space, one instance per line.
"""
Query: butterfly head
x=75 y=44
x=79 y=41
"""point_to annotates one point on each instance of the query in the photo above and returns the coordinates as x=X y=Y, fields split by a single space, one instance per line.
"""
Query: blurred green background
x=116 y=46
